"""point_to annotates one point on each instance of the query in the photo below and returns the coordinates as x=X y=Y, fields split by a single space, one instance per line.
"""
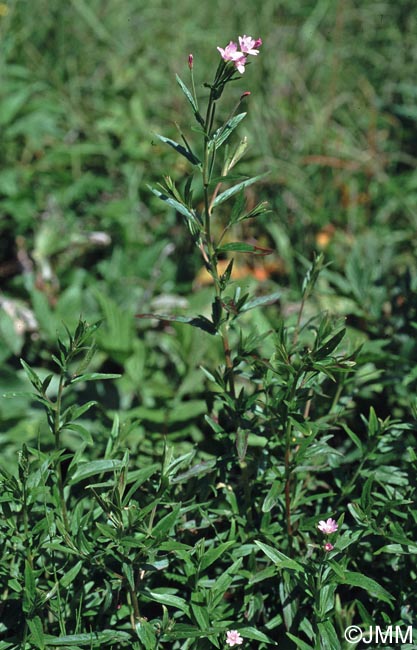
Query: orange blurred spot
x=325 y=235
x=259 y=271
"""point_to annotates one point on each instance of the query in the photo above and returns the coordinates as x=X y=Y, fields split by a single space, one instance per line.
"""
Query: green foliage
x=163 y=484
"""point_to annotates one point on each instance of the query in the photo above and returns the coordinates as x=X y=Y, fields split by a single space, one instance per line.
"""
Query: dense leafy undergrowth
x=208 y=418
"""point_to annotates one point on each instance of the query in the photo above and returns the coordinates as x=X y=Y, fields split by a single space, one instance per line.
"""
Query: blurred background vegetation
x=332 y=116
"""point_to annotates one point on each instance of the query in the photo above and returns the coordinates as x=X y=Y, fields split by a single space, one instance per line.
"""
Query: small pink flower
x=190 y=61
x=328 y=547
x=233 y=638
x=230 y=52
x=248 y=45
x=328 y=527
x=240 y=64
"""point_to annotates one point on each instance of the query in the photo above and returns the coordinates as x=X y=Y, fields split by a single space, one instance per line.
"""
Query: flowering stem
x=56 y=431
x=211 y=251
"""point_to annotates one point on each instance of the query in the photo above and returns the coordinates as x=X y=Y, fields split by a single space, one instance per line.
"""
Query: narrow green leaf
x=262 y=301
x=329 y=346
x=278 y=558
x=93 y=639
x=255 y=635
x=165 y=524
x=82 y=431
x=356 y=579
x=180 y=149
x=196 y=470
x=128 y=573
x=196 y=321
x=139 y=477
x=235 y=189
x=170 y=600
x=184 y=631
x=201 y=616
x=224 y=131
x=353 y=436
x=180 y=207
x=299 y=643
x=146 y=634
x=397 y=549
x=70 y=575
x=242 y=436
x=29 y=594
x=238 y=247
x=80 y=410
x=373 y=422
x=36 y=631
x=32 y=376
x=328 y=635
x=94 y=376
x=271 y=498
x=187 y=93
x=85 y=470
x=213 y=554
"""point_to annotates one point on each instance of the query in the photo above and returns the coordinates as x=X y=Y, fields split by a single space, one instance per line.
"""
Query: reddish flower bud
x=190 y=61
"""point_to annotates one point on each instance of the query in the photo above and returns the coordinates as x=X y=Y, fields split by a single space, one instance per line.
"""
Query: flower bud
x=190 y=61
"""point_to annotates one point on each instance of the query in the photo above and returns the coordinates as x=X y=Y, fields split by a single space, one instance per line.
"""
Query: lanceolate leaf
x=94 y=376
x=223 y=133
x=356 y=579
x=86 y=470
x=236 y=188
x=180 y=149
x=279 y=559
x=201 y=322
x=190 y=98
x=187 y=93
x=243 y=247
x=180 y=207
x=168 y=599
x=262 y=301
x=91 y=640
x=330 y=345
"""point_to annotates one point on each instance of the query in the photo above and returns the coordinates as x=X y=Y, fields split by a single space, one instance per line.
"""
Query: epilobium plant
x=224 y=544
x=274 y=410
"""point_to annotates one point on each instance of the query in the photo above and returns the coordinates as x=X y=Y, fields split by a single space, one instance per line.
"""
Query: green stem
x=135 y=617
x=287 y=464
x=26 y=524
x=211 y=251
x=247 y=492
x=57 y=432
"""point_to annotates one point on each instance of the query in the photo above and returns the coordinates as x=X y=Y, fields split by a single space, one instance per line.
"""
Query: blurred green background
x=332 y=116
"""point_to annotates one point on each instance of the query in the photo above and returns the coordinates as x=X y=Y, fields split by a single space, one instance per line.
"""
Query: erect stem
x=287 y=463
x=211 y=251
x=135 y=615
x=57 y=432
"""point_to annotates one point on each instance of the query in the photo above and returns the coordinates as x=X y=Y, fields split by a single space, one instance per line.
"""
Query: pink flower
x=240 y=64
x=248 y=45
x=233 y=638
x=328 y=527
x=230 y=52
x=190 y=61
x=328 y=547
